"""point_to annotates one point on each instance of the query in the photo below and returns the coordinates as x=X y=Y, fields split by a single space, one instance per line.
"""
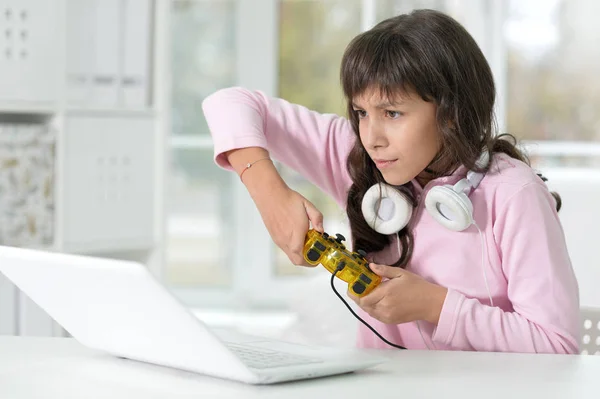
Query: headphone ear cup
x=451 y=209
x=402 y=209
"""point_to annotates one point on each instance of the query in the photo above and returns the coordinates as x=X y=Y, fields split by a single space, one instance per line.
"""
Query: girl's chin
x=395 y=179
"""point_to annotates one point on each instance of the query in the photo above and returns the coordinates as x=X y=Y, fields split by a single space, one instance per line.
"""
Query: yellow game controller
x=351 y=267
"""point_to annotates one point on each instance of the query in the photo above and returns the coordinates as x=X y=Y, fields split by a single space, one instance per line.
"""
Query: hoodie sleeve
x=542 y=286
x=314 y=145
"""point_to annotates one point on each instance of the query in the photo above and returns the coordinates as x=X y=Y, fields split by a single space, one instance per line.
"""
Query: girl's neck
x=424 y=177
x=429 y=174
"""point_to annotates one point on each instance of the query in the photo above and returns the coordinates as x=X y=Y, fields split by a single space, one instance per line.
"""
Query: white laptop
x=118 y=307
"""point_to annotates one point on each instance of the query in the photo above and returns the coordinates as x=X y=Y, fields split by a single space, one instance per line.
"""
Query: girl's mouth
x=382 y=164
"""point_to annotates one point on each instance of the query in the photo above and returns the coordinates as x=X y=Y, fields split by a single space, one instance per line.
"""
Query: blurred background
x=104 y=149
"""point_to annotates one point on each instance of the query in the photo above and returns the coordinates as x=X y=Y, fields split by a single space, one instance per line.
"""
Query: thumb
x=314 y=215
x=386 y=271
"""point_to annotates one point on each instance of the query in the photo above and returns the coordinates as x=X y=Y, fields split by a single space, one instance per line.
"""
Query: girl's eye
x=361 y=113
x=393 y=114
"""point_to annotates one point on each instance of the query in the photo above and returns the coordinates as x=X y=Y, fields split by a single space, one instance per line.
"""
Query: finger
x=386 y=271
x=373 y=298
x=360 y=301
x=295 y=251
x=351 y=295
x=297 y=259
x=314 y=215
x=371 y=311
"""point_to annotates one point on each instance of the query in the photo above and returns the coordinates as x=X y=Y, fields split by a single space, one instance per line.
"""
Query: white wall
x=580 y=216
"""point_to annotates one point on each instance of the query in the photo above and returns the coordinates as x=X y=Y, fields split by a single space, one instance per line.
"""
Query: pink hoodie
x=533 y=286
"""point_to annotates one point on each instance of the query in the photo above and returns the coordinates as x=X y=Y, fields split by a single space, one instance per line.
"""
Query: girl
x=420 y=98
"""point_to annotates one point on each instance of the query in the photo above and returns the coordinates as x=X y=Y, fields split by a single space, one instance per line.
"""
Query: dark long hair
x=431 y=54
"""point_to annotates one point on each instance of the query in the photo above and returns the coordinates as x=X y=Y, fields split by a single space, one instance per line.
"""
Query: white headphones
x=388 y=211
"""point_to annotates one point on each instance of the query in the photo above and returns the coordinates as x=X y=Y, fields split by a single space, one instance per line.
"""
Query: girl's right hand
x=287 y=216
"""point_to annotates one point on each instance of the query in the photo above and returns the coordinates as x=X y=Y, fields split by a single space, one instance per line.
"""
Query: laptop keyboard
x=262 y=358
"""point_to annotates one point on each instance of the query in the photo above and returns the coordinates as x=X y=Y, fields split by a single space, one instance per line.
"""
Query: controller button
x=358 y=287
x=313 y=255
x=362 y=253
x=365 y=279
x=319 y=245
x=340 y=238
x=325 y=235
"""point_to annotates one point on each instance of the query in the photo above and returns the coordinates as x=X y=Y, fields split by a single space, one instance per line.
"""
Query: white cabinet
x=80 y=163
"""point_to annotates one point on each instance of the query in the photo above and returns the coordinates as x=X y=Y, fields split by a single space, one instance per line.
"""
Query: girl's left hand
x=405 y=297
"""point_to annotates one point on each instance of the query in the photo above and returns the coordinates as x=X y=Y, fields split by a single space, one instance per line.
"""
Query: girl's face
x=400 y=135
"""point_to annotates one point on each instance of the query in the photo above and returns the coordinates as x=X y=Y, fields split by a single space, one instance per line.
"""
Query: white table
x=61 y=368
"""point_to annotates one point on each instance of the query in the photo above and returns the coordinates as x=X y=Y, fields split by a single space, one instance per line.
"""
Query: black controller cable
x=338 y=269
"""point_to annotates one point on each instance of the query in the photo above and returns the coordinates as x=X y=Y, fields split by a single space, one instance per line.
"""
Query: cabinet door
x=30 y=50
x=109 y=186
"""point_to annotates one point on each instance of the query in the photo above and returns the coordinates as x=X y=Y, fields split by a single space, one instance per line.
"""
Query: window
x=389 y=8
x=199 y=193
x=310 y=77
x=200 y=219
x=553 y=83
x=312 y=38
x=203 y=58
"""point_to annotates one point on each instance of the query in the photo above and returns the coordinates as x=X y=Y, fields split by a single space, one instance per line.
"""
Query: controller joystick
x=351 y=267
